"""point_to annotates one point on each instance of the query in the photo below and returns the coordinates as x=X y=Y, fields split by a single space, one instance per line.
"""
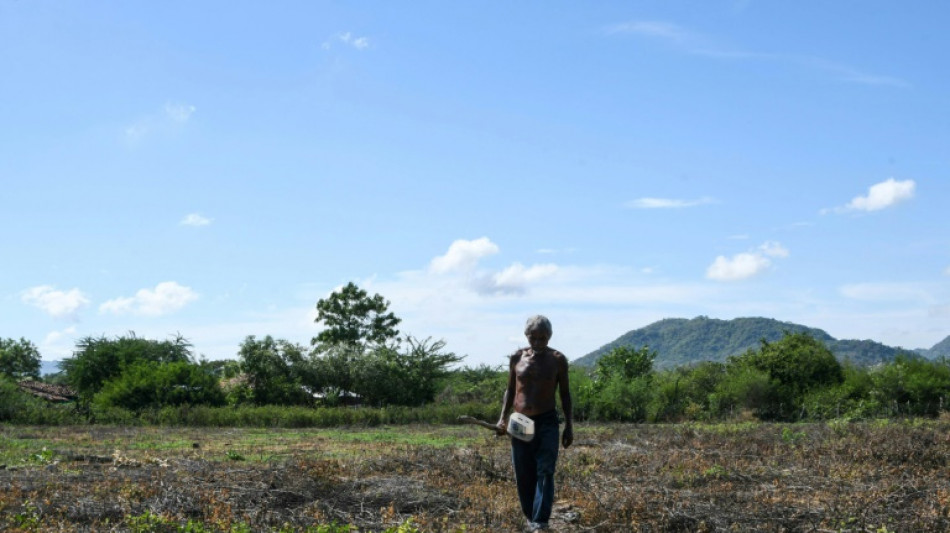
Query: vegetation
x=150 y=411
x=147 y=384
x=360 y=371
x=275 y=371
x=848 y=477
x=351 y=317
x=98 y=360
x=19 y=359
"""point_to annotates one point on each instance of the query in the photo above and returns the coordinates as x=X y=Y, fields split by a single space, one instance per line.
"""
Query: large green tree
x=351 y=317
x=276 y=371
x=796 y=365
x=19 y=359
x=97 y=360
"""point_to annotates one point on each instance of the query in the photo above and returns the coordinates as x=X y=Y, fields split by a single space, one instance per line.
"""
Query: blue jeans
x=534 y=464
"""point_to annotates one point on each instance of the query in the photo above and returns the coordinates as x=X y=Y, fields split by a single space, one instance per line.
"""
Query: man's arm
x=508 y=400
x=564 y=388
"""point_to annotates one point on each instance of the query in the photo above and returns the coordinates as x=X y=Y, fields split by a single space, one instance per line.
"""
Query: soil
x=760 y=477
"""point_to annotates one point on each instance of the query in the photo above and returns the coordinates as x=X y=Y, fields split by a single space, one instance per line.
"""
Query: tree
x=622 y=386
x=398 y=374
x=350 y=316
x=275 y=370
x=626 y=363
x=795 y=365
x=149 y=384
x=97 y=360
x=19 y=359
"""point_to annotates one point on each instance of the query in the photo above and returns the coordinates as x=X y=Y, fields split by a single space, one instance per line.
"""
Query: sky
x=212 y=169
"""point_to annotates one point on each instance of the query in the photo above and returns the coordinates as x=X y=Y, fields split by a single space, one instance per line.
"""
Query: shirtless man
x=533 y=375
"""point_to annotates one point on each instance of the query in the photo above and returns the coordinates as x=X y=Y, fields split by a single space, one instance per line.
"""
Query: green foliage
x=275 y=416
x=795 y=365
x=480 y=384
x=98 y=360
x=351 y=317
x=276 y=371
x=406 y=526
x=687 y=393
x=744 y=388
x=223 y=368
x=411 y=373
x=914 y=386
x=625 y=363
x=19 y=407
x=147 y=384
x=619 y=389
x=19 y=359
x=617 y=400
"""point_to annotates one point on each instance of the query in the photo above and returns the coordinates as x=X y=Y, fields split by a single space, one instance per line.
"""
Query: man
x=533 y=375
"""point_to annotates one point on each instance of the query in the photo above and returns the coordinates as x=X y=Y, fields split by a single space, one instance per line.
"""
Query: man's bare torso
x=536 y=379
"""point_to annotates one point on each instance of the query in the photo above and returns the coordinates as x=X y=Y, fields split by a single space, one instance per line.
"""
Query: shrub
x=148 y=384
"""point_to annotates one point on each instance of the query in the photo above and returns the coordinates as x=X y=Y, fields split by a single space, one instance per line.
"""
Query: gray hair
x=538 y=322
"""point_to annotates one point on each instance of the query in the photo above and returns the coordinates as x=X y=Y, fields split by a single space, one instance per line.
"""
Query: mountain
x=941 y=349
x=681 y=341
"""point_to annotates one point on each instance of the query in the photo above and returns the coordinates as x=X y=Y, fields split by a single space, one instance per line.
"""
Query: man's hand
x=501 y=428
x=567 y=436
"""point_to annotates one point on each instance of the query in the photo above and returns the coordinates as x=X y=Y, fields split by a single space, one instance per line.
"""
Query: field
x=873 y=476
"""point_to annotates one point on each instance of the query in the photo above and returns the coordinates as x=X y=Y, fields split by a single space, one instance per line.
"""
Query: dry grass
x=745 y=477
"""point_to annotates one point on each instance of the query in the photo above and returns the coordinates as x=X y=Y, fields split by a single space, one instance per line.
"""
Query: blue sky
x=214 y=168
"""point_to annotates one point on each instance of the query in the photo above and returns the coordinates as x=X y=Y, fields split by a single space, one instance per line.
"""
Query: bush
x=913 y=386
x=98 y=360
x=19 y=407
x=148 y=384
x=795 y=365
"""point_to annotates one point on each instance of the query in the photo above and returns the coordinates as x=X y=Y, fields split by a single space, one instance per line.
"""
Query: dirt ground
x=754 y=477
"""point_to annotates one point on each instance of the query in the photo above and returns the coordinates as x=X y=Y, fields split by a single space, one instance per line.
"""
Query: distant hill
x=941 y=349
x=681 y=341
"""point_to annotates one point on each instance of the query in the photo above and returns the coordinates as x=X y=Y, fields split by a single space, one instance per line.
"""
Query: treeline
x=129 y=380
x=796 y=378
x=360 y=370
x=359 y=358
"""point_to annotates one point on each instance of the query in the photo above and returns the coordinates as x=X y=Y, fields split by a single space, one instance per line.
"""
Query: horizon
x=605 y=165
x=48 y=364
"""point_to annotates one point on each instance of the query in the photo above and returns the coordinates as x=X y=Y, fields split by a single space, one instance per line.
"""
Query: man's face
x=537 y=339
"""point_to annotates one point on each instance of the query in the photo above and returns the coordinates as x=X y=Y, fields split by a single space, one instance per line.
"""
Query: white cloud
x=195 y=220
x=883 y=195
x=56 y=303
x=773 y=249
x=463 y=255
x=179 y=112
x=666 y=203
x=166 y=298
x=347 y=38
x=747 y=264
x=514 y=279
x=58 y=345
x=173 y=115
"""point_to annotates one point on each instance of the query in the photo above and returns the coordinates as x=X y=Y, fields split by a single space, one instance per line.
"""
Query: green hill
x=681 y=341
